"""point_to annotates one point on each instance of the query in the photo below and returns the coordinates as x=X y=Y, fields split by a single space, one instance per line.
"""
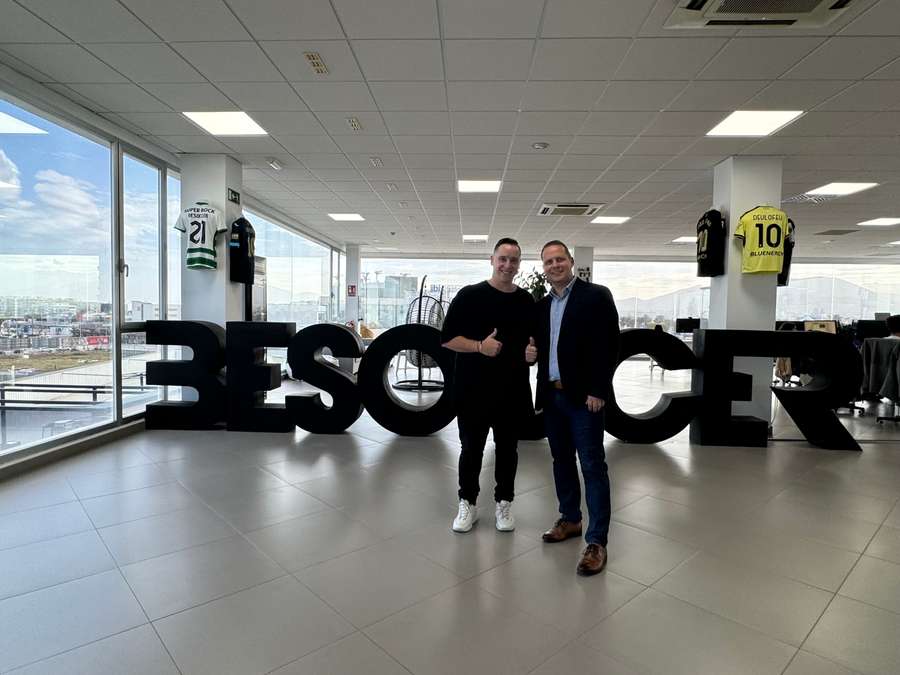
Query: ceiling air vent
x=569 y=209
x=762 y=13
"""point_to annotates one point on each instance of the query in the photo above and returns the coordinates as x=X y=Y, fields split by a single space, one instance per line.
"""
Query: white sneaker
x=506 y=521
x=465 y=519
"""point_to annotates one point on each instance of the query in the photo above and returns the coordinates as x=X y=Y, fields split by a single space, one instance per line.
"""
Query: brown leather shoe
x=593 y=560
x=562 y=529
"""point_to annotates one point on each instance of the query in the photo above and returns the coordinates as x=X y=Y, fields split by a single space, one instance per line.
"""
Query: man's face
x=557 y=264
x=505 y=262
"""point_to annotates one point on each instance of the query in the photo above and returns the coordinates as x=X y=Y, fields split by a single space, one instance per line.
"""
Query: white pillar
x=584 y=262
x=208 y=295
x=746 y=301
x=352 y=283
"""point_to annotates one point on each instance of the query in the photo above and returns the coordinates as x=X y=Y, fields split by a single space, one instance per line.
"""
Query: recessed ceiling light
x=354 y=123
x=754 y=122
x=226 y=123
x=377 y=162
x=10 y=125
x=475 y=237
x=391 y=187
x=540 y=145
x=611 y=220
x=841 y=189
x=881 y=222
x=316 y=63
x=402 y=205
x=274 y=163
x=685 y=240
x=479 y=185
x=345 y=216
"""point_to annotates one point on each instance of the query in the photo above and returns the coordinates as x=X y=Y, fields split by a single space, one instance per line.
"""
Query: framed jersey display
x=202 y=223
x=241 y=250
x=711 y=236
x=762 y=231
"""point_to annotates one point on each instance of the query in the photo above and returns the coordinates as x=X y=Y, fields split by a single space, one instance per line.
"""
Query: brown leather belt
x=556 y=384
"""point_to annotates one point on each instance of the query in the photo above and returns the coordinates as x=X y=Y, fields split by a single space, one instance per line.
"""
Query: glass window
x=173 y=247
x=55 y=280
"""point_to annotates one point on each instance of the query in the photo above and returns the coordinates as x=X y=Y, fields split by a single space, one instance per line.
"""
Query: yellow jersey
x=762 y=232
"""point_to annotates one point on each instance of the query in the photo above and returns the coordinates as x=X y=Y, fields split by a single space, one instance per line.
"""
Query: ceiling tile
x=485 y=95
x=200 y=144
x=597 y=18
x=287 y=19
x=796 y=94
x=365 y=144
x=66 y=63
x=716 y=95
x=289 y=123
x=322 y=160
x=400 y=60
x=92 y=20
x=890 y=72
x=147 y=62
x=252 y=144
x=120 y=97
x=308 y=143
x=470 y=161
x=290 y=60
x=252 y=96
x=771 y=56
x=485 y=123
x=417 y=123
x=191 y=97
x=617 y=123
x=683 y=123
x=230 y=61
x=667 y=58
x=659 y=145
x=337 y=123
x=820 y=124
x=487 y=59
x=652 y=95
x=600 y=145
x=336 y=95
x=428 y=145
x=20 y=25
x=846 y=58
x=561 y=95
x=556 y=123
x=481 y=145
x=571 y=59
x=426 y=161
x=490 y=18
x=873 y=21
x=388 y=18
x=878 y=124
x=873 y=95
x=177 y=20
x=165 y=124
x=409 y=96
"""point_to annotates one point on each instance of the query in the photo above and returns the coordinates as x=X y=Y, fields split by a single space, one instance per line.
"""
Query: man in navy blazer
x=576 y=345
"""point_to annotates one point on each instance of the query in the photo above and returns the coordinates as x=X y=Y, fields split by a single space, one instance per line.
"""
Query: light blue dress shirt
x=557 y=308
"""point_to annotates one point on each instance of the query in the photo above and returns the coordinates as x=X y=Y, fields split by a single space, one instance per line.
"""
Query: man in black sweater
x=487 y=325
x=576 y=345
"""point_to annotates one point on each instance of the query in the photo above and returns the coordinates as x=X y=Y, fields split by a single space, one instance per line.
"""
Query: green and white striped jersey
x=201 y=222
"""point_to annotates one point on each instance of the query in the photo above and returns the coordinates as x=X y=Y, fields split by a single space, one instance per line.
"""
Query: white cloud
x=10 y=184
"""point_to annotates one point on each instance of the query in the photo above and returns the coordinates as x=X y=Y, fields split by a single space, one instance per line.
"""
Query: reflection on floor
x=235 y=553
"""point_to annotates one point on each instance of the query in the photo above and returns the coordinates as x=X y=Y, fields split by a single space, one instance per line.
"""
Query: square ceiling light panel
x=754 y=123
x=685 y=240
x=10 y=125
x=841 y=189
x=479 y=185
x=345 y=216
x=473 y=238
x=611 y=220
x=881 y=222
x=226 y=123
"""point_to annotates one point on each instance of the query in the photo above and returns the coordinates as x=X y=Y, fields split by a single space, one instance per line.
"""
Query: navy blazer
x=588 y=347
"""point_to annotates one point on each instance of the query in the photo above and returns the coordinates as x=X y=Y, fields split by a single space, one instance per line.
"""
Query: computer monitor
x=822 y=326
x=687 y=325
x=868 y=328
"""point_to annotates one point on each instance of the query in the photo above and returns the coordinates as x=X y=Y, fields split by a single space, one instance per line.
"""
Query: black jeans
x=473 y=430
x=573 y=428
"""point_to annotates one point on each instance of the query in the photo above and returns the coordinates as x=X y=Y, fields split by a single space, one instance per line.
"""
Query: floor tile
x=177 y=581
x=122 y=507
x=885 y=544
x=251 y=512
x=652 y=628
x=893 y=518
x=235 y=483
x=158 y=535
x=470 y=553
x=49 y=621
x=572 y=603
x=675 y=521
x=642 y=556
x=368 y=585
x=876 y=582
x=813 y=522
x=136 y=652
x=849 y=504
x=354 y=654
x=254 y=631
x=110 y=482
x=779 y=607
x=579 y=657
x=40 y=524
x=305 y=541
x=104 y=460
x=466 y=630
x=31 y=493
x=396 y=510
x=805 y=663
x=858 y=636
x=47 y=563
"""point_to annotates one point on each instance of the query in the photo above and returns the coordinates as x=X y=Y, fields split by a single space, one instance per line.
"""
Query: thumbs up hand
x=491 y=346
x=531 y=352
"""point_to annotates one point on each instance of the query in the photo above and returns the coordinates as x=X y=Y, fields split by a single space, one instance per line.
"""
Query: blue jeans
x=573 y=427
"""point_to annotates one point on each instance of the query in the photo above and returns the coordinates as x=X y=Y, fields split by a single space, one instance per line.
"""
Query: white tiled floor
x=235 y=553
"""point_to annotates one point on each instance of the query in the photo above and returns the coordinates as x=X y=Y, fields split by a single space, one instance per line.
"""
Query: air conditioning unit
x=761 y=13
x=568 y=209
